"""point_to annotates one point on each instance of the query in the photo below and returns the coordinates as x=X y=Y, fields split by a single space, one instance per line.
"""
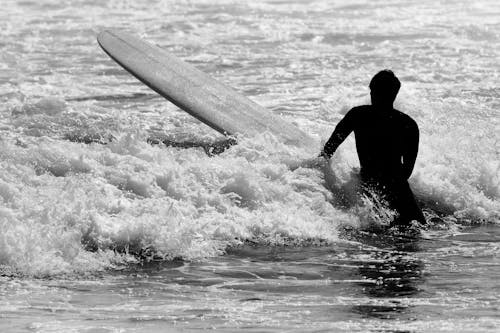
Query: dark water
x=395 y=284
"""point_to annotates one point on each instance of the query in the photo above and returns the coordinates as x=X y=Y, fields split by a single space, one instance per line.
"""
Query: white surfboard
x=195 y=92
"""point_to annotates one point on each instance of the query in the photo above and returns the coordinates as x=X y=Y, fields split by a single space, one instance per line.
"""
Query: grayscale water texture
x=244 y=240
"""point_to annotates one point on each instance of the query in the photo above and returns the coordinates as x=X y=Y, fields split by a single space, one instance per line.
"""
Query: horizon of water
x=244 y=239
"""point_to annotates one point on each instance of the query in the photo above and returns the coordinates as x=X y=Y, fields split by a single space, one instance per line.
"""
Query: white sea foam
x=64 y=199
x=67 y=206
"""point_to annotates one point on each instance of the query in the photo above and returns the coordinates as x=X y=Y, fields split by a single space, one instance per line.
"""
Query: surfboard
x=195 y=92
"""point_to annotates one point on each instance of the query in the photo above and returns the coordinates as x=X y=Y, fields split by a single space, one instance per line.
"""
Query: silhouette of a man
x=387 y=146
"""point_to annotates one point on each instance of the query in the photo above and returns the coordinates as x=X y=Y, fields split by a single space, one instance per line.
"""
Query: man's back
x=386 y=141
x=383 y=138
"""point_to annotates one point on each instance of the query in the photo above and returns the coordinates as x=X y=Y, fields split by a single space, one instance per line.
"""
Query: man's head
x=384 y=87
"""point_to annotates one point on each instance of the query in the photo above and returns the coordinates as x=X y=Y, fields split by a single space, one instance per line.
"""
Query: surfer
x=387 y=146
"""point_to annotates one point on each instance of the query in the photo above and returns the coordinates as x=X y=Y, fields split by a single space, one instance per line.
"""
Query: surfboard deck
x=195 y=92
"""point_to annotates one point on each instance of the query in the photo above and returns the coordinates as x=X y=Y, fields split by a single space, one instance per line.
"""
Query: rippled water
x=244 y=240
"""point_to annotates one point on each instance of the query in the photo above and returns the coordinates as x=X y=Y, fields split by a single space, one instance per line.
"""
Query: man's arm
x=341 y=132
x=411 y=149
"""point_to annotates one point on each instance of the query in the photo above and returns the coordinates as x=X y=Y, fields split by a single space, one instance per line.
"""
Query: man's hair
x=386 y=84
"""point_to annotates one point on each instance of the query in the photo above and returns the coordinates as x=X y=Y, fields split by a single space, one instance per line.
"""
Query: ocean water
x=101 y=231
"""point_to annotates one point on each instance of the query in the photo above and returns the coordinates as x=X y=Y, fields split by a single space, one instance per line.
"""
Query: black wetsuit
x=387 y=145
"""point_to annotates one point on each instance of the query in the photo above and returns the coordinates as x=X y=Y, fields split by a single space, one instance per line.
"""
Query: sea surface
x=102 y=231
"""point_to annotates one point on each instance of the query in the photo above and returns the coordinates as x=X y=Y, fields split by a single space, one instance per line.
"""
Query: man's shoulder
x=359 y=110
x=406 y=119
